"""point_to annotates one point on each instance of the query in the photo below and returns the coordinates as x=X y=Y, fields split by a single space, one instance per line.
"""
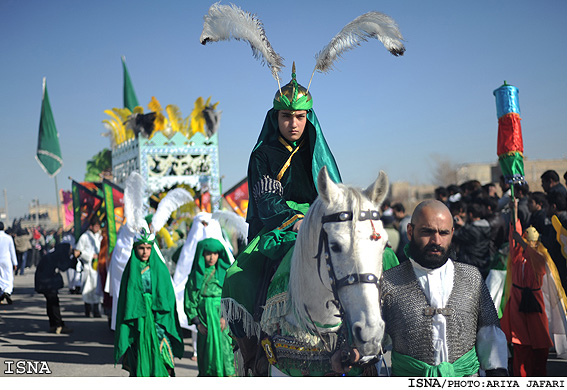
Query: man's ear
x=410 y=231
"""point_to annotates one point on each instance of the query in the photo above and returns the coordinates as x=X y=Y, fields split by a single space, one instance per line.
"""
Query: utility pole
x=6 y=206
x=36 y=212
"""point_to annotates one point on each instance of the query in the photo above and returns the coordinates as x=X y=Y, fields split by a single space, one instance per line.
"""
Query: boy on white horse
x=288 y=155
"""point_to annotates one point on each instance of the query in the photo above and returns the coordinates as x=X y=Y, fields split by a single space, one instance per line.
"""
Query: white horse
x=332 y=299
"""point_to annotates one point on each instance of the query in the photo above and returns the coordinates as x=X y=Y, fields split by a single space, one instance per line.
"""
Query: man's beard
x=427 y=260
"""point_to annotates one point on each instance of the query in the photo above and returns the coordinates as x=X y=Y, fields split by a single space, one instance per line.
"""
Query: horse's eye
x=335 y=247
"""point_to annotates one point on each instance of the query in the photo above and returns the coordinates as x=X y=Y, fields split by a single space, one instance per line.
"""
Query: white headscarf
x=197 y=233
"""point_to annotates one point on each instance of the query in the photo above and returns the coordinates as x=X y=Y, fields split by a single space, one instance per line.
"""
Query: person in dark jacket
x=539 y=206
x=48 y=281
x=473 y=239
x=521 y=192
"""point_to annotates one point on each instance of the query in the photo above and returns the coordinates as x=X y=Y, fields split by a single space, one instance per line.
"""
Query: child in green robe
x=203 y=308
x=148 y=335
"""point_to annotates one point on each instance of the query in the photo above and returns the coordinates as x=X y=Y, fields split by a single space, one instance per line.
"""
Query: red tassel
x=374 y=236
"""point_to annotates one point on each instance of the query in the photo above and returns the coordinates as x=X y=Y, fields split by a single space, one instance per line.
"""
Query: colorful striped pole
x=510 y=147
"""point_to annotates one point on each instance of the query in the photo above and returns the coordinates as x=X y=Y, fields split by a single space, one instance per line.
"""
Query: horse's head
x=338 y=262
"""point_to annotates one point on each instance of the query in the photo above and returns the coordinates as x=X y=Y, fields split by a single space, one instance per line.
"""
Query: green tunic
x=202 y=304
x=148 y=334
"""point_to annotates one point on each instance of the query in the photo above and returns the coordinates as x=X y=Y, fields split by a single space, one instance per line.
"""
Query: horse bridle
x=351 y=279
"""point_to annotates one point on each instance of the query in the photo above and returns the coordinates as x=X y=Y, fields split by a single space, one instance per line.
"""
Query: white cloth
x=197 y=233
x=556 y=313
x=496 y=281
x=89 y=245
x=437 y=285
x=8 y=261
x=73 y=276
x=118 y=260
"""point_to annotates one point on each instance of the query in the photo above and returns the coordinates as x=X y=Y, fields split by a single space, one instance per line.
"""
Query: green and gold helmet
x=293 y=96
x=144 y=236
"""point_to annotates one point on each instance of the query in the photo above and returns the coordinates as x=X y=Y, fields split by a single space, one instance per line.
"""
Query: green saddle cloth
x=244 y=277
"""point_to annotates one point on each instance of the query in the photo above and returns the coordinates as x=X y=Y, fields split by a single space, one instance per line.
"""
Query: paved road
x=87 y=352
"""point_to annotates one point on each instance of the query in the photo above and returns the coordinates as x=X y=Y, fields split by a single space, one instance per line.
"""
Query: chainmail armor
x=405 y=306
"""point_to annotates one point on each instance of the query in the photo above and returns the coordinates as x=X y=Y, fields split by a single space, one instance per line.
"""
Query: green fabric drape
x=146 y=310
x=404 y=365
x=246 y=272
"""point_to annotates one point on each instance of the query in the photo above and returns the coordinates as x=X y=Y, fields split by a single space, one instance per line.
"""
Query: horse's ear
x=378 y=191
x=328 y=190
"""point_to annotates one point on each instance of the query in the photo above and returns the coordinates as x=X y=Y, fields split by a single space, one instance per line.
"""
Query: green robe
x=148 y=334
x=203 y=290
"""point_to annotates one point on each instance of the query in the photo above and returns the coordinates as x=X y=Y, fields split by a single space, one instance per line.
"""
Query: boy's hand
x=202 y=329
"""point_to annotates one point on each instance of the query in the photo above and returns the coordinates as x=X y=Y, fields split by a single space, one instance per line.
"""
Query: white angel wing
x=171 y=202
x=134 y=201
x=231 y=220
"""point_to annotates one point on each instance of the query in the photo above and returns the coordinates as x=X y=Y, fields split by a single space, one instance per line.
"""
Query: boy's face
x=143 y=251
x=292 y=124
x=95 y=228
x=211 y=258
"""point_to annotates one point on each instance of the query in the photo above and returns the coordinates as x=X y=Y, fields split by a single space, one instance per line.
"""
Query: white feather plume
x=232 y=221
x=225 y=22
x=369 y=25
x=134 y=201
x=171 y=202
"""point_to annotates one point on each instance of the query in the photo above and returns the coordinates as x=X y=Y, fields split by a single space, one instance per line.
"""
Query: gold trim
x=291 y=221
x=284 y=143
x=288 y=162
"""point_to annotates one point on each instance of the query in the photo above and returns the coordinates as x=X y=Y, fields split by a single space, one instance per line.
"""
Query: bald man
x=438 y=313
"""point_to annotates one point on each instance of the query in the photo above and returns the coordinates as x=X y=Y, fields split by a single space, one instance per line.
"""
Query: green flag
x=114 y=204
x=48 y=151
x=130 y=99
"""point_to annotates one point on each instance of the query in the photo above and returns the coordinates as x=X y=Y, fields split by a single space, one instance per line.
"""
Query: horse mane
x=307 y=244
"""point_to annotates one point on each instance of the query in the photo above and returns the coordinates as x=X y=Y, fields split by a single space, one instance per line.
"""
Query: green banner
x=114 y=204
x=48 y=151
x=130 y=99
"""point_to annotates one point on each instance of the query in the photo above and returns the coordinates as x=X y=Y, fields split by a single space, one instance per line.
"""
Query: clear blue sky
x=378 y=112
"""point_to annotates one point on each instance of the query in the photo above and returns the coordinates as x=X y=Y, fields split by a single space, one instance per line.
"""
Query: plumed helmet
x=293 y=96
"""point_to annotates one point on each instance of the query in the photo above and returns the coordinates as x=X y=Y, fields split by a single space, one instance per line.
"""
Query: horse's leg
x=248 y=349
x=261 y=364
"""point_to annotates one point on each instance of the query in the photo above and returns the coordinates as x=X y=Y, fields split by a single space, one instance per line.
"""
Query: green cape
x=198 y=267
x=203 y=299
